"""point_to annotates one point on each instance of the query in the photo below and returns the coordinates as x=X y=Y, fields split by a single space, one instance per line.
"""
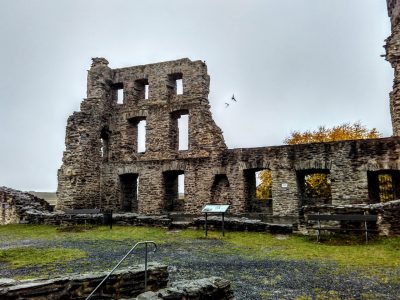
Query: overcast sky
x=292 y=65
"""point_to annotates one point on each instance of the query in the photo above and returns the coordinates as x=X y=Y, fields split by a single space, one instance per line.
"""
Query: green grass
x=46 y=232
x=381 y=252
x=28 y=256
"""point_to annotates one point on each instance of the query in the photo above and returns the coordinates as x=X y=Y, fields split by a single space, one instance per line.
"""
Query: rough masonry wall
x=101 y=139
x=348 y=163
x=393 y=56
x=123 y=283
x=102 y=166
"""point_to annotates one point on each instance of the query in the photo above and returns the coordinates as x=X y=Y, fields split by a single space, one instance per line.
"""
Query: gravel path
x=251 y=279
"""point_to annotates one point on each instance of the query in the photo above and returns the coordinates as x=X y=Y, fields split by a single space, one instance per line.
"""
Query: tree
x=317 y=185
x=342 y=132
x=264 y=189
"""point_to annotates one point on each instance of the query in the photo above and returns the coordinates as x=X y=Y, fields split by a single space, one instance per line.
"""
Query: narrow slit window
x=146 y=91
x=181 y=186
x=183 y=128
x=104 y=144
x=141 y=136
x=179 y=86
x=120 y=98
x=102 y=149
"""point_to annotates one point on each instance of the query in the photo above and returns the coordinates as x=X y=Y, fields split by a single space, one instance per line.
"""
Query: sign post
x=215 y=209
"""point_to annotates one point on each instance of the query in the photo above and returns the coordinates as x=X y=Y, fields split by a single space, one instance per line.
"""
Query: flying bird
x=226 y=105
x=233 y=98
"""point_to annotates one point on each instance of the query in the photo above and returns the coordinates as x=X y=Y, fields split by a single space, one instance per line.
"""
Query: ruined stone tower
x=102 y=166
x=393 y=56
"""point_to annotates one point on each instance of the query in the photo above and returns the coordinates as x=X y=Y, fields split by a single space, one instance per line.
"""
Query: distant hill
x=49 y=197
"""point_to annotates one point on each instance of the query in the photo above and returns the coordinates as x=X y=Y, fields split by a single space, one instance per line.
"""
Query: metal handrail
x=118 y=264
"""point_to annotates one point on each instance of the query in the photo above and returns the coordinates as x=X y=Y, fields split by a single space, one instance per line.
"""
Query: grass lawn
x=381 y=252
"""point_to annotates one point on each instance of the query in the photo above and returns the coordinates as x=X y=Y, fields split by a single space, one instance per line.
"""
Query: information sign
x=215 y=208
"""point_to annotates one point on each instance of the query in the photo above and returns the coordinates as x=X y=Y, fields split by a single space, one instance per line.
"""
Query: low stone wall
x=243 y=224
x=124 y=283
x=388 y=215
x=208 y=288
x=16 y=205
x=128 y=219
x=132 y=219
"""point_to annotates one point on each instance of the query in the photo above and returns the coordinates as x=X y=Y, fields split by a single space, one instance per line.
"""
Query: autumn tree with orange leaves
x=317 y=185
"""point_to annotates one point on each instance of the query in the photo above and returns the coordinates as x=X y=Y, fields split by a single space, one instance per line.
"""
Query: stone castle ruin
x=103 y=166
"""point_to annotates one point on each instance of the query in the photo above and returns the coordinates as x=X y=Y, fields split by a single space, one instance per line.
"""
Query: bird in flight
x=226 y=105
x=233 y=98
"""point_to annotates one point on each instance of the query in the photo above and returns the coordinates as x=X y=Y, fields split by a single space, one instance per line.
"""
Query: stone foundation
x=122 y=284
x=208 y=288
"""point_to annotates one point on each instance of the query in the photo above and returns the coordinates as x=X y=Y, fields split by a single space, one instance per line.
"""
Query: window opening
x=141 y=136
x=120 y=96
x=174 y=190
x=129 y=192
x=179 y=86
x=383 y=185
x=314 y=186
x=181 y=186
x=118 y=93
x=183 y=130
x=258 y=189
x=175 y=84
x=141 y=89
x=146 y=91
x=263 y=184
x=104 y=143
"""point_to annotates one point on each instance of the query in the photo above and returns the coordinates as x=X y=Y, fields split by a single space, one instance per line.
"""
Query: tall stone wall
x=103 y=168
x=101 y=139
x=393 y=56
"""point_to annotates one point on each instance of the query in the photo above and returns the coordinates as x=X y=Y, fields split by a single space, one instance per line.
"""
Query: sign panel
x=215 y=208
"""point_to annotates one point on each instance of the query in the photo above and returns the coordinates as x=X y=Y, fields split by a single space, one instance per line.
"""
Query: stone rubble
x=16 y=206
x=207 y=288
